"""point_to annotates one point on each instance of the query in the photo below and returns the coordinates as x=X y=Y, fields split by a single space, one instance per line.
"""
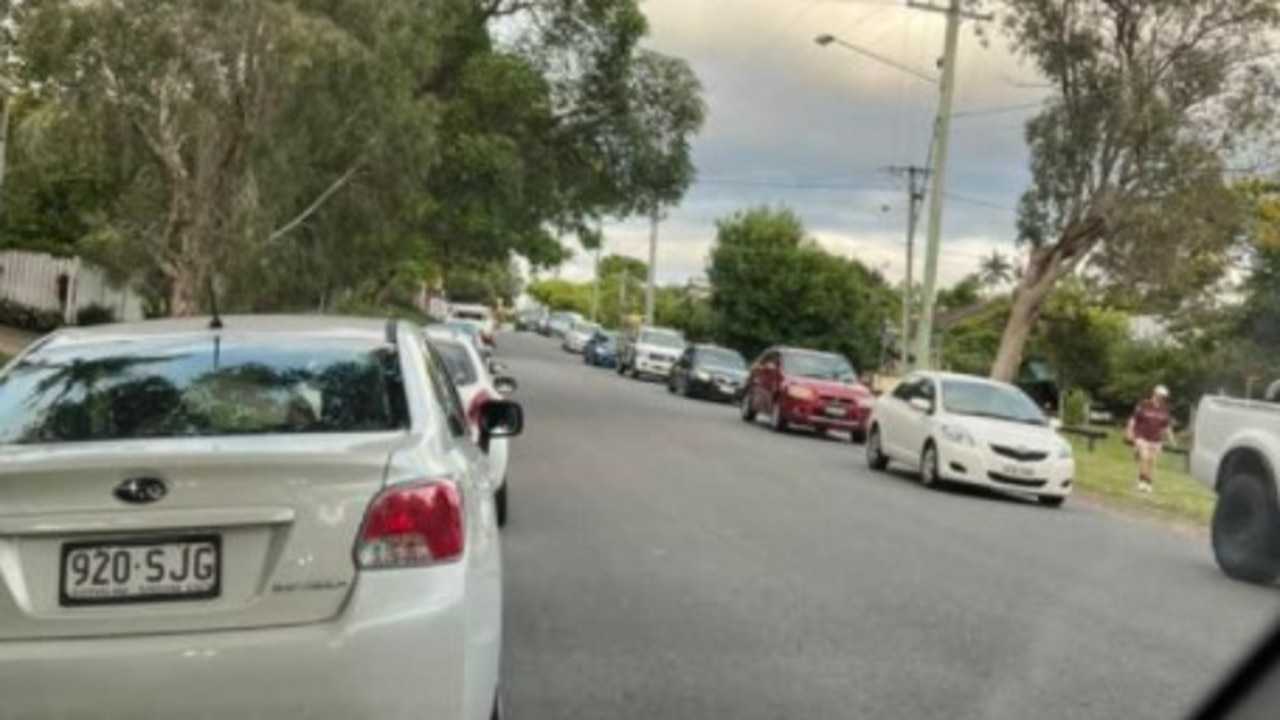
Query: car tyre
x=498 y=712
x=500 y=504
x=747 y=412
x=1246 y=530
x=622 y=370
x=685 y=390
x=876 y=459
x=857 y=437
x=671 y=385
x=929 y=467
x=776 y=420
x=1052 y=501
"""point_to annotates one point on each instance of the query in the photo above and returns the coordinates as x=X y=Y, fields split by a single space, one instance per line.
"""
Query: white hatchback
x=971 y=430
x=283 y=517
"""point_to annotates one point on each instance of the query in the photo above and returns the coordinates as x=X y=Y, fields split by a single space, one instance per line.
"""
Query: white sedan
x=280 y=517
x=970 y=430
x=477 y=386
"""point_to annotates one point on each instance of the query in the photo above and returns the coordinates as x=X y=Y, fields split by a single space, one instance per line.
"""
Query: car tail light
x=799 y=392
x=476 y=406
x=412 y=526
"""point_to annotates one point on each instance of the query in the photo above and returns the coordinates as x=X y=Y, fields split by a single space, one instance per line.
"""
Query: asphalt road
x=666 y=561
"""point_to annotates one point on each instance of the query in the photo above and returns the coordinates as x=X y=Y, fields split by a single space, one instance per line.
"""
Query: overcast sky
x=813 y=128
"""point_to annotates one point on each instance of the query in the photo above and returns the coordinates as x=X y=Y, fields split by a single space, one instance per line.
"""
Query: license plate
x=836 y=411
x=1019 y=471
x=151 y=570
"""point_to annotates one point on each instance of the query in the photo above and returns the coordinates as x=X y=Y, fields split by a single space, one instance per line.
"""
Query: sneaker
x=1145 y=486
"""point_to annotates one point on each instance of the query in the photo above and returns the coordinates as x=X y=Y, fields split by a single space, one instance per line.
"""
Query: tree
x=996 y=270
x=1150 y=97
x=1080 y=337
x=770 y=284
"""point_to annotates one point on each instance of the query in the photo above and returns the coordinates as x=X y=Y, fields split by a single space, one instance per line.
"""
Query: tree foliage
x=1151 y=99
x=307 y=152
x=773 y=285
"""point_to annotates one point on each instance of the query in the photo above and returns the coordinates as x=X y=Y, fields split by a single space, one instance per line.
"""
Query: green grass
x=1109 y=474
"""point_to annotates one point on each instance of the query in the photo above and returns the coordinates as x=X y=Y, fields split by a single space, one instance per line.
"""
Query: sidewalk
x=12 y=340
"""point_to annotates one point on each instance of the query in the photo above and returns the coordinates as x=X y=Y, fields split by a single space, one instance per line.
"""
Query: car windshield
x=199 y=388
x=478 y=315
x=458 y=362
x=984 y=399
x=661 y=338
x=820 y=366
x=721 y=358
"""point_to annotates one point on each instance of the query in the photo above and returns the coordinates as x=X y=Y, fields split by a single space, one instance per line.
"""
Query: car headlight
x=701 y=375
x=957 y=434
x=800 y=393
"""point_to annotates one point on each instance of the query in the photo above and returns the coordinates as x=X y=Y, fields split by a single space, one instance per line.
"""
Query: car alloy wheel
x=929 y=466
x=875 y=455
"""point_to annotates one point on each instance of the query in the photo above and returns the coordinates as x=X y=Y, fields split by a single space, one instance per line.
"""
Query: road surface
x=666 y=560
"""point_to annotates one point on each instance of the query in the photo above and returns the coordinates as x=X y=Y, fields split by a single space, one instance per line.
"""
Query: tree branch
x=315 y=205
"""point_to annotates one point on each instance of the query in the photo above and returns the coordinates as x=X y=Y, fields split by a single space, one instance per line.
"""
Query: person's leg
x=1145 y=464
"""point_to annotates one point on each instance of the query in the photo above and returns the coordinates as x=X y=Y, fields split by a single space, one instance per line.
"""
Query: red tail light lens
x=477 y=405
x=412 y=526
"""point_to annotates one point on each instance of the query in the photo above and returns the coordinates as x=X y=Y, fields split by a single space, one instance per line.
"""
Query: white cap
x=1162 y=391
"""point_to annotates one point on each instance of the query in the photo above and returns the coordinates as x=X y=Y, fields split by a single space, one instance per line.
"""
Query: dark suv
x=708 y=371
x=804 y=387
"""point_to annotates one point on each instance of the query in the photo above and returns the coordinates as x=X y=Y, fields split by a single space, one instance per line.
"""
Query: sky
x=815 y=129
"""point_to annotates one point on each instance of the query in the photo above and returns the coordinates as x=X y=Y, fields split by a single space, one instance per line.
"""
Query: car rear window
x=201 y=388
x=457 y=361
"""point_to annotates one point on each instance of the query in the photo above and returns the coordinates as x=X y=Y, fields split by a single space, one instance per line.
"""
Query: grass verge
x=1109 y=474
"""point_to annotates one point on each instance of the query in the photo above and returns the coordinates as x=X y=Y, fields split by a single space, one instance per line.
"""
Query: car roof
x=713 y=346
x=942 y=375
x=319 y=327
x=804 y=351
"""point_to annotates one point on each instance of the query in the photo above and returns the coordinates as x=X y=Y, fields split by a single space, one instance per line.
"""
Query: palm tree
x=995 y=270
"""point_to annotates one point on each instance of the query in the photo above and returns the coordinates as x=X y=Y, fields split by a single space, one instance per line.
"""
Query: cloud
x=814 y=128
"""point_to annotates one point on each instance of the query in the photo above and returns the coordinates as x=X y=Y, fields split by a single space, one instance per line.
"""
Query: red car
x=803 y=387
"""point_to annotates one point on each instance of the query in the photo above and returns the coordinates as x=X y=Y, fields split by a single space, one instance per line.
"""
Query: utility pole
x=623 y=310
x=655 y=215
x=915 y=196
x=938 y=167
x=595 y=288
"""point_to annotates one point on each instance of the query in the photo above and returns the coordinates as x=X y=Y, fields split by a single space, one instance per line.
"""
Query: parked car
x=708 y=371
x=1236 y=453
x=476 y=387
x=268 y=516
x=971 y=430
x=804 y=387
x=578 y=335
x=527 y=320
x=468 y=329
x=649 y=351
x=559 y=323
x=482 y=316
x=601 y=350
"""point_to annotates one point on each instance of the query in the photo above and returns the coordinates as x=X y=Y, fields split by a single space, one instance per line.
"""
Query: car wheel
x=671 y=385
x=857 y=437
x=776 y=421
x=500 y=503
x=876 y=459
x=498 y=712
x=1246 y=530
x=929 y=467
x=748 y=413
x=618 y=366
x=684 y=388
x=1052 y=501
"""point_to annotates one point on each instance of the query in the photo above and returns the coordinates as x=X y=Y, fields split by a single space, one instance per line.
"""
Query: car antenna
x=215 y=322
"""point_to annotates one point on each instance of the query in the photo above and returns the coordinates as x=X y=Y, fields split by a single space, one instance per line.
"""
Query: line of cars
x=286 y=516
x=946 y=427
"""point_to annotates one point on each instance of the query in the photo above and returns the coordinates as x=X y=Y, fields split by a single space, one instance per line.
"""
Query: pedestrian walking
x=1150 y=428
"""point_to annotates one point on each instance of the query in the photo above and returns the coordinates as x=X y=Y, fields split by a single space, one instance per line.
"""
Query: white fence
x=65 y=285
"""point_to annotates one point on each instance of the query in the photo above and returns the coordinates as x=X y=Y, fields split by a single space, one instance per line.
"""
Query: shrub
x=95 y=315
x=1075 y=408
x=20 y=316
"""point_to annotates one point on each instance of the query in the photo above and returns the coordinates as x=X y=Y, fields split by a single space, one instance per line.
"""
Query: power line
x=981 y=112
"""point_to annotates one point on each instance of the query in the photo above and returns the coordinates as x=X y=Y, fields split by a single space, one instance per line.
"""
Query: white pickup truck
x=1236 y=453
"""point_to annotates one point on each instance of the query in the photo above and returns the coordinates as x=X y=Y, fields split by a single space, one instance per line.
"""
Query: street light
x=826 y=39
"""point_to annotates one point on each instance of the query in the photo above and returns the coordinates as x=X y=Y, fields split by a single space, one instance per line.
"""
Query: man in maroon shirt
x=1149 y=428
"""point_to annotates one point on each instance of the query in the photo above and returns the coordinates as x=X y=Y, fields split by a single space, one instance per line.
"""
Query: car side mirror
x=505 y=384
x=921 y=404
x=498 y=419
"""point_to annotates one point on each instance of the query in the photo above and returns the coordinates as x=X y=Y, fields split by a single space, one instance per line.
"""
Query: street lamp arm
x=828 y=39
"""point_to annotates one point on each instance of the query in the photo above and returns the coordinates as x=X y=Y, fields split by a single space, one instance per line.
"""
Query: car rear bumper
x=715 y=390
x=401 y=649
x=814 y=414
x=971 y=465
